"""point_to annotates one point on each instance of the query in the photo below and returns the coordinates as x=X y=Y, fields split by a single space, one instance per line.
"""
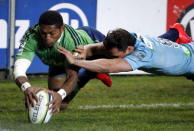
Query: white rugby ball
x=41 y=113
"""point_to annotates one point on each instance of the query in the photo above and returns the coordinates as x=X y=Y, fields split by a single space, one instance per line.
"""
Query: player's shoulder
x=138 y=54
x=142 y=51
x=31 y=34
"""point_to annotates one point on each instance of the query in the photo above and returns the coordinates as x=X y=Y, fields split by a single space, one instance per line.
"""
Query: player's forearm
x=20 y=68
x=93 y=65
x=104 y=65
x=71 y=82
x=20 y=80
x=22 y=83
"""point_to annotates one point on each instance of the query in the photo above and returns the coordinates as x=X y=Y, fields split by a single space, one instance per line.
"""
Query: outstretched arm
x=99 y=65
x=104 y=65
x=20 y=68
x=90 y=50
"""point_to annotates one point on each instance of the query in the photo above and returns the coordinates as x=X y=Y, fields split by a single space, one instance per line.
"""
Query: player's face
x=116 y=53
x=50 y=34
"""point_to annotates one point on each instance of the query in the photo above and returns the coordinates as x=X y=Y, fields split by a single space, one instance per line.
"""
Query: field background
x=126 y=90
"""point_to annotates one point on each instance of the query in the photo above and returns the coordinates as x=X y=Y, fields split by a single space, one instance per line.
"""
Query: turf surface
x=126 y=90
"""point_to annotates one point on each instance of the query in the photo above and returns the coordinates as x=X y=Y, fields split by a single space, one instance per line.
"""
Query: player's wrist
x=25 y=86
x=62 y=93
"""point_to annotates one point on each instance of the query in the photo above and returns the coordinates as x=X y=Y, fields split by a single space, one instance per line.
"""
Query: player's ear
x=62 y=28
x=130 y=49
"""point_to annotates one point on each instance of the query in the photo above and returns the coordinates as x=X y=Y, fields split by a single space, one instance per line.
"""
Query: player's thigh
x=56 y=77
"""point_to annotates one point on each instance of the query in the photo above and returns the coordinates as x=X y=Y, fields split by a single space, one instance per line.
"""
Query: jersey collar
x=60 y=37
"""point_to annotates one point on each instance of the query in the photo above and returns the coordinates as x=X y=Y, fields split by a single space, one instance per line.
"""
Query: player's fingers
x=28 y=103
x=79 y=50
x=38 y=89
x=55 y=110
x=80 y=57
x=55 y=107
x=31 y=100
x=80 y=47
x=62 y=52
x=50 y=91
x=50 y=103
x=58 y=110
x=61 y=49
x=34 y=97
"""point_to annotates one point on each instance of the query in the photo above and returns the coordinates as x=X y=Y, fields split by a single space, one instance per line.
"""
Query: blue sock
x=172 y=35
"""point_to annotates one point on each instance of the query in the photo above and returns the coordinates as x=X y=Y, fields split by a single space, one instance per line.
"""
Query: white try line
x=1 y=129
x=87 y=107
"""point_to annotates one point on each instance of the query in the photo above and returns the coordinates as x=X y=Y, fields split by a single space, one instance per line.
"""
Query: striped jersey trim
x=75 y=36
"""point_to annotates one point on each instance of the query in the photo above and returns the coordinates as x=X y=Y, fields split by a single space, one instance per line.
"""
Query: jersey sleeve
x=27 y=49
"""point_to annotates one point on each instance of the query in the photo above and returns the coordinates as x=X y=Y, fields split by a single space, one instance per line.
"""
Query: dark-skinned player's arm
x=67 y=88
x=99 y=65
x=20 y=68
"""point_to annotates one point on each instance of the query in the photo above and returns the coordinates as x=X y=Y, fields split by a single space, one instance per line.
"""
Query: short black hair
x=119 y=39
x=51 y=18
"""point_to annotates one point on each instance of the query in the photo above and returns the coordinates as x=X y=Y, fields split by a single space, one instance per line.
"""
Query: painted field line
x=87 y=107
x=2 y=129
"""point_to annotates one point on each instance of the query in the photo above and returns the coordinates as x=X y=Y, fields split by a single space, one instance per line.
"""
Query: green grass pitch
x=134 y=103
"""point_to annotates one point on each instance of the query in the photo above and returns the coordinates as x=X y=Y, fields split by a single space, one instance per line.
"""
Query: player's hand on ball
x=67 y=54
x=30 y=96
x=56 y=102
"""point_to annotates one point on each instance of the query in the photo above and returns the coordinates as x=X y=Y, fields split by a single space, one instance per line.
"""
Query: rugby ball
x=40 y=113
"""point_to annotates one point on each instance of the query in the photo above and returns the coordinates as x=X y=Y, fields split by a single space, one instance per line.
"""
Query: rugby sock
x=105 y=78
x=172 y=35
x=183 y=37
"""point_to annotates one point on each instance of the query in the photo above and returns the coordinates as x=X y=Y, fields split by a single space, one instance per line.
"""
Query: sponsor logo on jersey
x=186 y=51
